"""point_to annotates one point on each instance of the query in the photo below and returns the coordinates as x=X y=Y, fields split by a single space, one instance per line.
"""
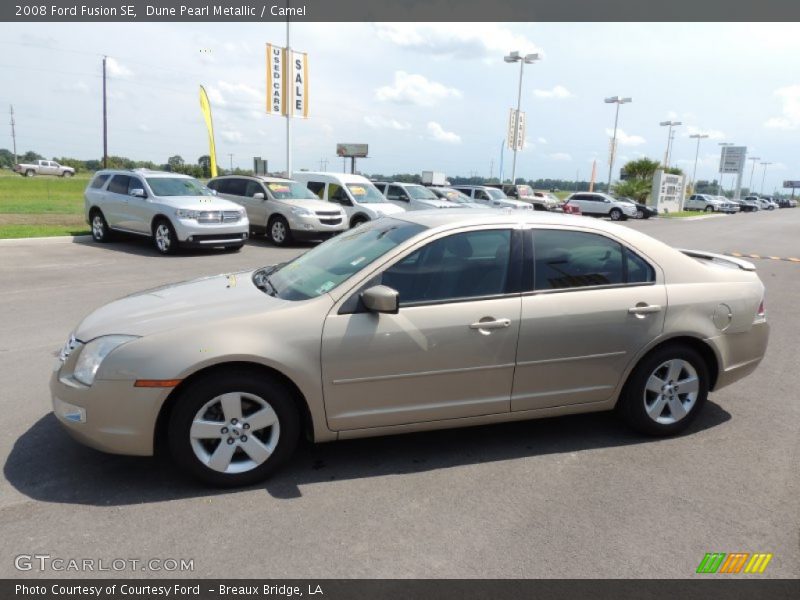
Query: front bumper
x=316 y=227
x=235 y=232
x=111 y=416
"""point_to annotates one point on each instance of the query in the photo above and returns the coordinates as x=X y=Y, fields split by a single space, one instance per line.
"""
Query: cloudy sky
x=423 y=96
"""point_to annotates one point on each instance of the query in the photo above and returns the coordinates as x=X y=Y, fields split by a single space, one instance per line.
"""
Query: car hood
x=198 y=202
x=435 y=203
x=169 y=307
x=384 y=208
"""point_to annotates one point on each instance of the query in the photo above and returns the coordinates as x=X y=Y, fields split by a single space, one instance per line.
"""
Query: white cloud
x=541 y=140
x=789 y=97
x=559 y=92
x=458 y=40
x=440 y=135
x=78 y=87
x=379 y=122
x=215 y=97
x=232 y=136
x=117 y=69
x=241 y=91
x=623 y=139
x=409 y=88
x=561 y=156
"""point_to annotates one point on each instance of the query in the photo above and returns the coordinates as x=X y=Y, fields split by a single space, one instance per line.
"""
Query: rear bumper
x=740 y=353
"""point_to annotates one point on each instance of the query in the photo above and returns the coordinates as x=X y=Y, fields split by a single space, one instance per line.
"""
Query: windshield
x=455 y=196
x=524 y=191
x=320 y=270
x=286 y=190
x=419 y=192
x=496 y=194
x=177 y=186
x=366 y=193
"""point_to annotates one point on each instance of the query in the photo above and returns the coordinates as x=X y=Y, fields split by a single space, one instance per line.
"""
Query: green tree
x=642 y=168
x=175 y=162
x=635 y=188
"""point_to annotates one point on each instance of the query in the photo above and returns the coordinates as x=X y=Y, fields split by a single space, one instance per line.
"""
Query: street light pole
x=755 y=159
x=670 y=124
x=698 y=137
x=764 y=176
x=529 y=59
x=613 y=154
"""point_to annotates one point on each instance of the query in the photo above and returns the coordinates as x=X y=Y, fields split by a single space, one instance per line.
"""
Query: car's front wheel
x=67 y=174
x=164 y=237
x=616 y=214
x=640 y=214
x=278 y=231
x=234 y=428
x=665 y=391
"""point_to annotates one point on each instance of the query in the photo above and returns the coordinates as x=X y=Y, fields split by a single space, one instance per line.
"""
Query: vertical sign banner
x=212 y=149
x=300 y=84
x=511 y=134
x=276 y=81
x=520 y=131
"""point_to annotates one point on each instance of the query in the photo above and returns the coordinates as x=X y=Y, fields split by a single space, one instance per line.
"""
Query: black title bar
x=398 y=10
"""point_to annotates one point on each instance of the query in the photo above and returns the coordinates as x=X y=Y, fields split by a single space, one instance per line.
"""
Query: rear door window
x=119 y=184
x=98 y=181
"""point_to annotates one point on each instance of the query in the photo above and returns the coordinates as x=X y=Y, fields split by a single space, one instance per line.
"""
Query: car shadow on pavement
x=47 y=465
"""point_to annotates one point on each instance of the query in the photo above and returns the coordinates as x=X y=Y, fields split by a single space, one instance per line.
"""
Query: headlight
x=187 y=214
x=299 y=211
x=93 y=354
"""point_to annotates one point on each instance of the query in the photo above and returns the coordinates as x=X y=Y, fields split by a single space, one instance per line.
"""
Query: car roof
x=331 y=176
x=265 y=178
x=457 y=218
x=147 y=172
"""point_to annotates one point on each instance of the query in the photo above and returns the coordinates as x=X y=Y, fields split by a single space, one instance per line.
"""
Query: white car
x=492 y=197
x=283 y=209
x=412 y=196
x=174 y=210
x=360 y=199
x=709 y=203
x=596 y=204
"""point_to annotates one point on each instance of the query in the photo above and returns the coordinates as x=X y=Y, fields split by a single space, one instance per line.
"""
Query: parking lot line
x=783 y=258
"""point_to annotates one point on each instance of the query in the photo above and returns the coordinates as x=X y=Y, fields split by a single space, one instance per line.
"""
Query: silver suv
x=283 y=209
x=709 y=203
x=174 y=210
x=596 y=204
x=492 y=197
x=412 y=196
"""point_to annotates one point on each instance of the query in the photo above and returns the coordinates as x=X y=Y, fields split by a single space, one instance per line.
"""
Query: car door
x=398 y=196
x=115 y=204
x=592 y=305
x=337 y=194
x=449 y=351
x=139 y=209
x=47 y=168
x=258 y=209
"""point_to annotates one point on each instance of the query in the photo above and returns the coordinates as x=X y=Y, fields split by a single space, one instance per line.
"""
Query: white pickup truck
x=43 y=167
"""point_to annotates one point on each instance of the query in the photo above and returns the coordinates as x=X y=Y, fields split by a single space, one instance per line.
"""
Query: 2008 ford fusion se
x=421 y=321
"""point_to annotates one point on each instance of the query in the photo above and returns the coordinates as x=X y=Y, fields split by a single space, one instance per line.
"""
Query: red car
x=571 y=209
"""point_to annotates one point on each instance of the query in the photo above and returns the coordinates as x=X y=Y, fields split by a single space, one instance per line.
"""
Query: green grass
x=681 y=214
x=41 y=194
x=23 y=231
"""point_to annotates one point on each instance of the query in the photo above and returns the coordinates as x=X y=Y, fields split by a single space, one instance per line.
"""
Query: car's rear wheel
x=615 y=214
x=164 y=237
x=234 y=428
x=30 y=173
x=100 y=230
x=66 y=174
x=666 y=391
x=278 y=231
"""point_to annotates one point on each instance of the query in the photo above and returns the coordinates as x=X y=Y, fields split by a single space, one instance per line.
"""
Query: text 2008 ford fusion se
x=431 y=319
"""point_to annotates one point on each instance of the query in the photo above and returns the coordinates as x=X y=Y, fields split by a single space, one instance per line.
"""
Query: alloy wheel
x=98 y=227
x=671 y=391
x=278 y=232
x=235 y=432
x=163 y=237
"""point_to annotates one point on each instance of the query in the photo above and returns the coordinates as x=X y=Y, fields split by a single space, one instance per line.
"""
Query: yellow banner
x=276 y=80
x=212 y=151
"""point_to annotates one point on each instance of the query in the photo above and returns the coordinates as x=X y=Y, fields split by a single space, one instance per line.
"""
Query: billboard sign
x=791 y=184
x=732 y=159
x=352 y=150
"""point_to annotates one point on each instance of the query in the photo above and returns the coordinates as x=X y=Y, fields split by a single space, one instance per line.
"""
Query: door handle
x=644 y=309
x=491 y=324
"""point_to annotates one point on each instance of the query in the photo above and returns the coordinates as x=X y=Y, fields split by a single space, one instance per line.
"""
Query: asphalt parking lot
x=570 y=497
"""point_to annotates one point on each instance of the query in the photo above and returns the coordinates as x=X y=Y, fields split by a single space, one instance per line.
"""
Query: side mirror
x=137 y=193
x=381 y=299
x=259 y=196
x=213 y=192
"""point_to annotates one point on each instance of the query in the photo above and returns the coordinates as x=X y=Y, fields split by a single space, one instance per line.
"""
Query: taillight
x=762 y=309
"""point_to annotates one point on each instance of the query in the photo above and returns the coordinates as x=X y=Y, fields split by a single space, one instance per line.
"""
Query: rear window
x=98 y=181
x=119 y=185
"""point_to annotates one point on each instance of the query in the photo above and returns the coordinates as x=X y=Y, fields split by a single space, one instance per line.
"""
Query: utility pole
x=491 y=168
x=323 y=164
x=14 y=134
x=613 y=153
x=755 y=159
x=105 y=118
x=230 y=155
x=290 y=100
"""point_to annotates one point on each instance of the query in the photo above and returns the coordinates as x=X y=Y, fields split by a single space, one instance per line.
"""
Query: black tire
x=202 y=392
x=357 y=221
x=616 y=215
x=30 y=173
x=164 y=238
x=640 y=214
x=636 y=398
x=66 y=174
x=709 y=209
x=235 y=248
x=101 y=233
x=278 y=231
